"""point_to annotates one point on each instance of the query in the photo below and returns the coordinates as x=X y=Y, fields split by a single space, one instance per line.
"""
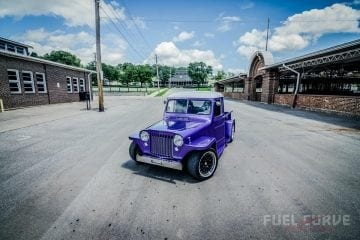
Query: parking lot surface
x=65 y=173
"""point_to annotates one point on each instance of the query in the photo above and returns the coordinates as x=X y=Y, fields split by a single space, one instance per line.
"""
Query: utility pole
x=267 y=34
x=98 y=57
x=170 y=79
x=157 y=71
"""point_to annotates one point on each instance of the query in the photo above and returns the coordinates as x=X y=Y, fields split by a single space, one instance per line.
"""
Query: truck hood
x=183 y=127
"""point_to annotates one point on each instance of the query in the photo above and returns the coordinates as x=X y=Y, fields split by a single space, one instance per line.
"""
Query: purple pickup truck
x=192 y=135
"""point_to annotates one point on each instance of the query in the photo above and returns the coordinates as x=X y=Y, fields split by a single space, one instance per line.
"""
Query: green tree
x=143 y=74
x=34 y=54
x=111 y=73
x=220 y=75
x=198 y=72
x=92 y=66
x=128 y=73
x=164 y=73
x=63 y=57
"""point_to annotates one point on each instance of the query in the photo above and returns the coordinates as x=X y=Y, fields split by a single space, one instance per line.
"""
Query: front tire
x=202 y=165
x=134 y=151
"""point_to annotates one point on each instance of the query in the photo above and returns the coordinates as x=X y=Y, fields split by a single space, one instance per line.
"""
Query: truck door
x=219 y=125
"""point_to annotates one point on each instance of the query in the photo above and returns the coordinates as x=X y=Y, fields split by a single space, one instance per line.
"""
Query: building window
x=10 y=48
x=76 y=85
x=82 y=85
x=40 y=82
x=14 y=81
x=20 y=50
x=68 y=84
x=28 y=81
x=2 y=46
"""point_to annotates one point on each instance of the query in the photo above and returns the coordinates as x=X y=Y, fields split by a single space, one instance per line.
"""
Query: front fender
x=134 y=136
x=202 y=143
x=199 y=144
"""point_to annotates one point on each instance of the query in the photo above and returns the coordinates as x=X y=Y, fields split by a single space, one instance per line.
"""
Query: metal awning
x=344 y=52
x=239 y=78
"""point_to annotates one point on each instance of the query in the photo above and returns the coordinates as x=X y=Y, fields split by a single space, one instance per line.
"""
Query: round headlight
x=178 y=140
x=144 y=136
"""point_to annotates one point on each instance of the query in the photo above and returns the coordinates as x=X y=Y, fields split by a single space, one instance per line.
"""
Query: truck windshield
x=189 y=106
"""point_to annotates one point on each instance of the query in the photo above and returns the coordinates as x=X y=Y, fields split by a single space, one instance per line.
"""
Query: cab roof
x=196 y=94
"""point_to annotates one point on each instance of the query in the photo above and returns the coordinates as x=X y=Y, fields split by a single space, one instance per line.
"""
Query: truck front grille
x=161 y=145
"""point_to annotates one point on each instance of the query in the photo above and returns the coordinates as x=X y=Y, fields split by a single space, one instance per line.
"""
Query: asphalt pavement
x=65 y=173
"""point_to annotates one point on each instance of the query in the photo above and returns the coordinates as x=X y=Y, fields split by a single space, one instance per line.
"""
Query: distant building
x=181 y=78
x=28 y=81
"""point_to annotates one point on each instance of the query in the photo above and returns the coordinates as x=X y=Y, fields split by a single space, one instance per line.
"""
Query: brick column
x=249 y=89
x=270 y=85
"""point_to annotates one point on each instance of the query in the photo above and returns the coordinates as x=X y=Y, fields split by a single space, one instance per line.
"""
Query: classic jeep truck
x=192 y=135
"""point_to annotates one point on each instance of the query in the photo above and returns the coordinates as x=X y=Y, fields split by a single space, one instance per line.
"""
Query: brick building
x=27 y=81
x=326 y=80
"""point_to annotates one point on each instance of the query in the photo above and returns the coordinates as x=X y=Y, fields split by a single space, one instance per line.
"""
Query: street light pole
x=98 y=57
x=157 y=71
x=267 y=34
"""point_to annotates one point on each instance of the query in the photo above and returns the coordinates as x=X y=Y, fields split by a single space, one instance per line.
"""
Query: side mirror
x=164 y=101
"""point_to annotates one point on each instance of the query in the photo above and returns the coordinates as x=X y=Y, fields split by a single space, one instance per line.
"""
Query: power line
x=136 y=26
x=125 y=38
x=120 y=21
x=241 y=21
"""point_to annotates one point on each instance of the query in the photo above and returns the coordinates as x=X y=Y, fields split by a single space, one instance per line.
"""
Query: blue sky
x=224 y=34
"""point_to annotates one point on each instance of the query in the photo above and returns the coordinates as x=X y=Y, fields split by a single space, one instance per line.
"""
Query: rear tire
x=133 y=151
x=202 y=165
x=232 y=133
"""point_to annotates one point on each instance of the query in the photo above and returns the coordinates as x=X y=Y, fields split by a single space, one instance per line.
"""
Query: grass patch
x=203 y=89
x=161 y=92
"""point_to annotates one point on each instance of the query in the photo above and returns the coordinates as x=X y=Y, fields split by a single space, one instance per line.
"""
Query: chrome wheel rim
x=207 y=164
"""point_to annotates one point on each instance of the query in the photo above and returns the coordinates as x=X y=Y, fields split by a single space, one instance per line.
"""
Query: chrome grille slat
x=161 y=145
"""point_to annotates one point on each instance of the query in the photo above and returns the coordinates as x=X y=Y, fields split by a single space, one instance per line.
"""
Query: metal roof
x=324 y=52
x=39 y=60
x=195 y=94
x=232 y=79
x=14 y=42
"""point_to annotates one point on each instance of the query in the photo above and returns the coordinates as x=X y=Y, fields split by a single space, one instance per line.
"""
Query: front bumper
x=160 y=162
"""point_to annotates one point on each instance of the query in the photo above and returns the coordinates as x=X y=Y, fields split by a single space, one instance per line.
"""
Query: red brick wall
x=235 y=95
x=283 y=99
x=341 y=104
x=56 y=75
x=53 y=75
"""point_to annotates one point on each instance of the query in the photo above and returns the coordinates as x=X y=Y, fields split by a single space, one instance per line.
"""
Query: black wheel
x=133 y=151
x=202 y=165
x=232 y=132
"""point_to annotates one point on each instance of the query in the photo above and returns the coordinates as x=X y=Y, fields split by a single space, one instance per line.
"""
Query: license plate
x=156 y=161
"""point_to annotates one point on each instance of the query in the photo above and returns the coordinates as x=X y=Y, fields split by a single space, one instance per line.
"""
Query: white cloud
x=300 y=30
x=80 y=13
x=226 y=22
x=247 y=5
x=138 y=21
x=115 y=3
x=209 y=35
x=170 y=54
x=183 y=36
x=254 y=37
x=82 y=44
x=246 y=51
x=236 y=70
x=198 y=43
